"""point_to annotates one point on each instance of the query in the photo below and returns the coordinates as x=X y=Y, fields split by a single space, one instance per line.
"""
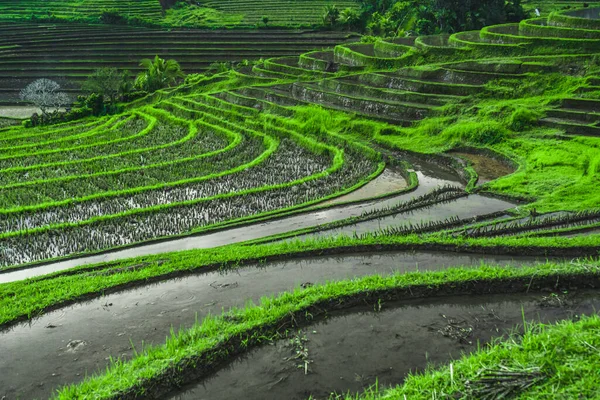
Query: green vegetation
x=75 y=52
x=208 y=14
x=269 y=141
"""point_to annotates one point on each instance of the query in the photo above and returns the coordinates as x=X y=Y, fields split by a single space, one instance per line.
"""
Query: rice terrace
x=299 y=199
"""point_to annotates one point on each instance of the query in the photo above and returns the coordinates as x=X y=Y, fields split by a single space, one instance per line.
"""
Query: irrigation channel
x=62 y=346
x=430 y=177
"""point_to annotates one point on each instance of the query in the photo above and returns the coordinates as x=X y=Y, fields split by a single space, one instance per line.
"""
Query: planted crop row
x=213 y=155
x=532 y=224
x=181 y=218
x=131 y=133
x=112 y=200
x=198 y=143
x=76 y=139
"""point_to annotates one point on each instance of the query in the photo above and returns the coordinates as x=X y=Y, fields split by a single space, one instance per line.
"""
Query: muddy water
x=464 y=207
x=61 y=347
x=427 y=182
x=388 y=182
x=486 y=167
x=351 y=350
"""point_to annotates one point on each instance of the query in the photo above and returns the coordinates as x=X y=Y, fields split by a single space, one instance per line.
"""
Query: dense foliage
x=396 y=18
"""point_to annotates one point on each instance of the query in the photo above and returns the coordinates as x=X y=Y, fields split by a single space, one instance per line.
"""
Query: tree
x=45 y=94
x=331 y=15
x=105 y=82
x=265 y=20
x=159 y=73
x=350 y=18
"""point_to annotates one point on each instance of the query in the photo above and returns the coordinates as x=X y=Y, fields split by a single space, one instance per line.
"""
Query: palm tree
x=159 y=73
x=331 y=15
x=350 y=18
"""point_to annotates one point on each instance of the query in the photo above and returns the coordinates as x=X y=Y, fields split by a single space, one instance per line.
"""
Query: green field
x=451 y=178
x=200 y=14
x=64 y=52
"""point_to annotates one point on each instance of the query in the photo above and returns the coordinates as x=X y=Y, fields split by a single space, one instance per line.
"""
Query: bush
x=523 y=119
x=112 y=16
x=476 y=133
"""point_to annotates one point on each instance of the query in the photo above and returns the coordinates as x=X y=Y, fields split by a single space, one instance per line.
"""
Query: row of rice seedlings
x=133 y=176
x=532 y=224
x=433 y=226
x=173 y=220
x=303 y=164
x=109 y=134
x=53 y=212
x=251 y=149
x=131 y=133
x=41 y=133
x=442 y=193
x=76 y=137
x=112 y=161
x=201 y=141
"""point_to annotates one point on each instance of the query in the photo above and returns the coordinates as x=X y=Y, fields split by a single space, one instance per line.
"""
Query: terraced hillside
x=316 y=224
x=203 y=14
x=70 y=53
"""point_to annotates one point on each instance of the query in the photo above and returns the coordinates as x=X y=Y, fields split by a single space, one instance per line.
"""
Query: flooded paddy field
x=351 y=350
x=63 y=346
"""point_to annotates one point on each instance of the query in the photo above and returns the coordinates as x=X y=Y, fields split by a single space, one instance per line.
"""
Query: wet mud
x=63 y=346
x=353 y=349
x=487 y=168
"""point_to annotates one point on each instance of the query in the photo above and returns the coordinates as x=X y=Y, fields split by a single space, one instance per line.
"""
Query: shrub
x=112 y=16
x=523 y=118
x=476 y=132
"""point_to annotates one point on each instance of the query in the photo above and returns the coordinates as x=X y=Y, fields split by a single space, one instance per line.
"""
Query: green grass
x=210 y=14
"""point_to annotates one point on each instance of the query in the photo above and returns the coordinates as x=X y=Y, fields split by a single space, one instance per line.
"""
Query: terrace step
x=394 y=47
x=283 y=98
x=572 y=127
x=574 y=115
x=591 y=105
x=350 y=86
x=394 y=81
x=508 y=67
x=393 y=110
x=265 y=73
x=367 y=55
x=538 y=27
x=290 y=66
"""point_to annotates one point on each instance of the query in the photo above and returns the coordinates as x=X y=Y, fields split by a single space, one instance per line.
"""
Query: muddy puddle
x=63 y=346
x=350 y=350
x=427 y=182
x=389 y=181
x=487 y=168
